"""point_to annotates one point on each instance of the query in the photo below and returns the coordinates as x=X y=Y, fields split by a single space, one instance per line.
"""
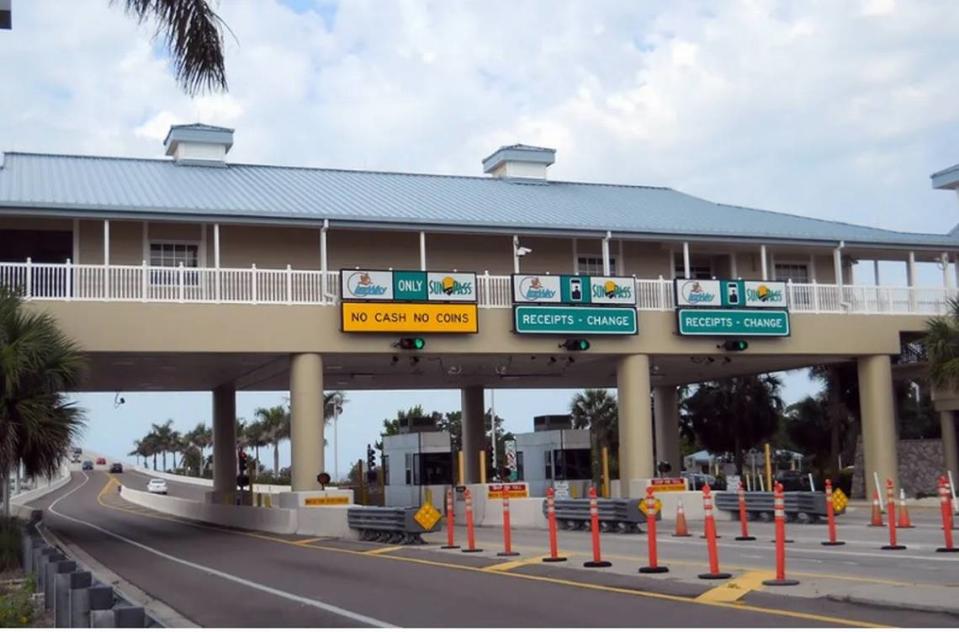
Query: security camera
x=522 y=251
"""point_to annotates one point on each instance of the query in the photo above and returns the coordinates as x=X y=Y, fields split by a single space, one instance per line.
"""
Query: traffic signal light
x=370 y=458
x=242 y=460
x=735 y=345
x=575 y=344
x=413 y=344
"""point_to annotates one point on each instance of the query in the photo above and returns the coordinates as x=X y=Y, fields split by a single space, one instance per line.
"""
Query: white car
x=157 y=486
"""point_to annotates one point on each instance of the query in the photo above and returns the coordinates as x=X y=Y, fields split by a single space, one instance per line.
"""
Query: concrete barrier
x=204 y=482
x=243 y=517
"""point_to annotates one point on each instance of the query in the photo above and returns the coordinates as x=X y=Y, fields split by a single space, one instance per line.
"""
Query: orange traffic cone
x=876 y=511
x=682 y=531
x=904 y=521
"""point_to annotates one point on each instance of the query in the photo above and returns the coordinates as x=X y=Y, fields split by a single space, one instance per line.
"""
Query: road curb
x=158 y=610
x=892 y=605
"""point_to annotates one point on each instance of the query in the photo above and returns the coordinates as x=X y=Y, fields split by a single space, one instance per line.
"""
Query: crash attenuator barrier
x=799 y=506
x=392 y=525
x=623 y=515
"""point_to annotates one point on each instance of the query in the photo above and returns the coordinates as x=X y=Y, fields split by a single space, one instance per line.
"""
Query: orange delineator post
x=945 y=507
x=682 y=530
x=507 y=540
x=470 y=536
x=904 y=520
x=654 y=566
x=710 y=528
x=597 y=561
x=876 y=520
x=450 y=528
x=743 y=518
x=551 y=520
x=891 y=510
x=831 y=518
x=779 y=512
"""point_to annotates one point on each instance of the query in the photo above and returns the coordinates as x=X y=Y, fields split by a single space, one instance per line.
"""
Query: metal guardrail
x=74 y=596
x=615 y=514
x=800 y=506
x=391 y=525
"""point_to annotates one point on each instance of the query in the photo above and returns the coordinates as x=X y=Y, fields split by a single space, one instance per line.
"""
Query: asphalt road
x=138 y=480
x=223 y=578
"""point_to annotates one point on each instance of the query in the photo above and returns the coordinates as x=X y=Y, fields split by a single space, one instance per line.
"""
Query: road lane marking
x=348 y=614
x=385 y=549
x=736 y=588
x=508 y=566
x=306 y=541
x=835 y=621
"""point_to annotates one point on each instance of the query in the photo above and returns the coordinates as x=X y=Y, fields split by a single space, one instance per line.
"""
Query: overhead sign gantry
x=574 y=304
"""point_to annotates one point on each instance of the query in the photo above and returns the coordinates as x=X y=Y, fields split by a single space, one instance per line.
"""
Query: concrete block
x=61 y=598
x=79 y=599
x=40 y=556
x=129 y=617
x=102 y=619
x=47 y=572
x=101 y=607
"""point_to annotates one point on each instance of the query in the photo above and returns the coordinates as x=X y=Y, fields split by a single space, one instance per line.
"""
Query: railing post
x=815 y=297
x=289 y=285
x=790 y=294
x=253 y=284
x=144 y=280
x=106 y=281
x=662 y=293
x=29 y=286
x=69 y=280
x=179 y=281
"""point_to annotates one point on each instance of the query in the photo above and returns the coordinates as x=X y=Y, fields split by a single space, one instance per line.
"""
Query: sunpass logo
x=532 y=289
x=694 y=293
x=360 y=284
x=764 y=294
x=451 y=287
x=611 y=289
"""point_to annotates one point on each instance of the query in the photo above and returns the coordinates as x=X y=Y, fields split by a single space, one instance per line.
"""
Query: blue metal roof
x=142 y=187
x=946 y=179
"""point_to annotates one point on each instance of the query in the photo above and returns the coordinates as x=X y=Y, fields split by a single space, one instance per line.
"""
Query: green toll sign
x=733 y=322
x=556 y=319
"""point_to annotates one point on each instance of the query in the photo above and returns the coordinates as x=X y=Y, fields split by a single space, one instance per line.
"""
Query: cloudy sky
x=826 y=109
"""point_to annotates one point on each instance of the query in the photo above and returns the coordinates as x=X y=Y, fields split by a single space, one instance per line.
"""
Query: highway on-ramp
x=226 y=578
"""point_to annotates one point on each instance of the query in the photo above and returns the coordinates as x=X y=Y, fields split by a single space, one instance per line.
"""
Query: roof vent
x=519 y=161
x=199 y=144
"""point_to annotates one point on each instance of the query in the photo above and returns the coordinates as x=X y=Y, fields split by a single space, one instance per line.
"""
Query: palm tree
x=137 y=451
x=597 y=410
x=942 y=348
x=38 y=363
x=199 y=439
x=192 y=32
x=275 y=422
x=164 y=439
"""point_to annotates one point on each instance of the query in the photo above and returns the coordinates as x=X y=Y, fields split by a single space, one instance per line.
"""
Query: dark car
x=87 y=465
x=116 y=468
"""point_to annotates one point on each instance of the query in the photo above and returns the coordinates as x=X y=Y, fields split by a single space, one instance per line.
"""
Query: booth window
x=573 y=464
x=436 y=468
x=548 y=461
x=386 y=469
x=520 y=468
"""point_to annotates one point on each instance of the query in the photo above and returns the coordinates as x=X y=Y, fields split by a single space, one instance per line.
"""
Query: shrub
x=10 y=542
x=16 y=607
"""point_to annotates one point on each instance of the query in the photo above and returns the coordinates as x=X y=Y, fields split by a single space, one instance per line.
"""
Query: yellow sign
x=326 y=500
x=658 y=504
x=427 y=516
x=668 y=485
x=839 y=500
x=414 y=318
x=510 y=490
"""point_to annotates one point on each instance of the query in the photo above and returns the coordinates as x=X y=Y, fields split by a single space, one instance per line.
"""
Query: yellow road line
x=508 y=566
x=836 y=621
x=736 y=588
x=306 y=541
x=385 y=549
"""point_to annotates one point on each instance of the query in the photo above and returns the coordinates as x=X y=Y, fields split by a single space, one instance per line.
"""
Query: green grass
x=16 y=606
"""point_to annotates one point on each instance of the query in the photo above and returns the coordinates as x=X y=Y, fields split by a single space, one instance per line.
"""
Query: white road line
x=355 y=616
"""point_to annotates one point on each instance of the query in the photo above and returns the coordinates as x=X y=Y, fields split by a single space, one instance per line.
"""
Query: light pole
x=336 y=445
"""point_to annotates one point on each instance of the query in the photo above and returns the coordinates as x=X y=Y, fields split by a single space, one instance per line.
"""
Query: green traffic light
x=418 y=343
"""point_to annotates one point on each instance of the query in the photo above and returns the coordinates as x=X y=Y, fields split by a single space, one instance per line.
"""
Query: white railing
x=156 y=284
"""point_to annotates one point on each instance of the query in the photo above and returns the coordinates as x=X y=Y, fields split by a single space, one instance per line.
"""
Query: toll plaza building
x=190 y=272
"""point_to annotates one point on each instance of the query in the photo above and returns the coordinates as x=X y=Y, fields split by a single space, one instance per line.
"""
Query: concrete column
x=950 y=451
x=224 y=443
x=306 y=420
x=666 y=412
x=474 y=430
x=877 y=407
x=635 y=422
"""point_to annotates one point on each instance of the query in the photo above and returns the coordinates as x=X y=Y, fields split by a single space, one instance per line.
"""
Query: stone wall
x=921 y=463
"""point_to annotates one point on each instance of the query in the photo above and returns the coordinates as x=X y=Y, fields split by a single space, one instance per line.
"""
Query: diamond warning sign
x=427 y=516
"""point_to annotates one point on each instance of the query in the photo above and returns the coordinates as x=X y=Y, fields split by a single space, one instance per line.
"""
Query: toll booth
x=553 y=452
x=417 y=459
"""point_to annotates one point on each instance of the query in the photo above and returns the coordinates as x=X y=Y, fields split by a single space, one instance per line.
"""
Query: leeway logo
x=764 y=294
x=532 y=289
x=360 y=284
x=611 y=290
x=450 y=287
x=693 y=292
